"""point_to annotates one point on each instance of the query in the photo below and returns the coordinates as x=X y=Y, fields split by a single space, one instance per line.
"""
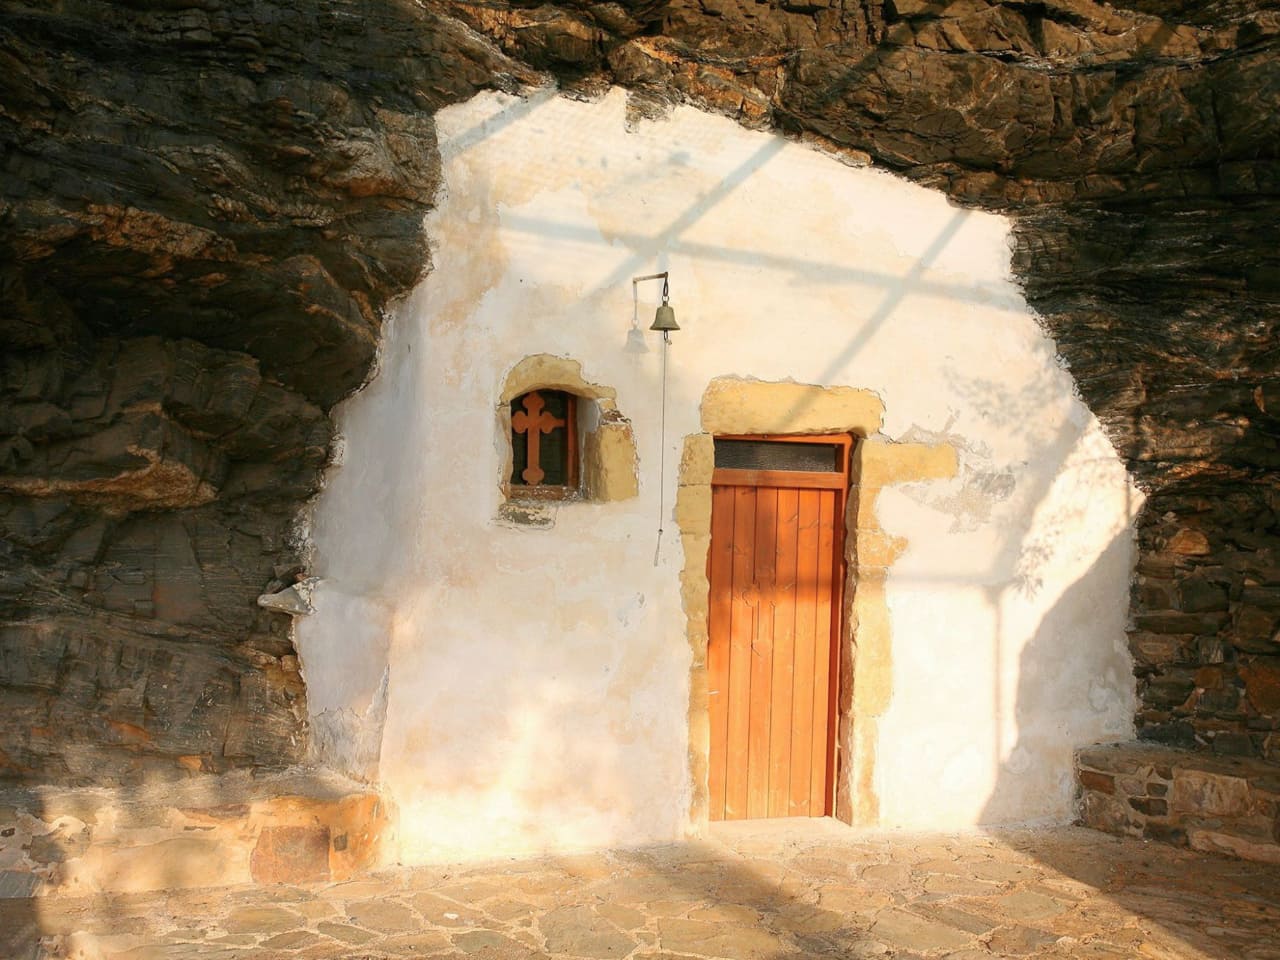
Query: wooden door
x=776 y=570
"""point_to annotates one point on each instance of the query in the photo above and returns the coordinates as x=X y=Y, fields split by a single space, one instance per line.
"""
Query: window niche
x=562 y=439
x=544 y=445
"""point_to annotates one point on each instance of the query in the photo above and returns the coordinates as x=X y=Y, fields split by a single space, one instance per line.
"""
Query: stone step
x=1228 y=805
x=208 y=831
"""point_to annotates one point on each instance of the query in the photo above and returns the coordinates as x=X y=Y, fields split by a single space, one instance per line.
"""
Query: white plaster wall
x=538 y=679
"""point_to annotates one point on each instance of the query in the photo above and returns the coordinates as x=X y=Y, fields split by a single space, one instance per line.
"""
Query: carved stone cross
x=534 y=421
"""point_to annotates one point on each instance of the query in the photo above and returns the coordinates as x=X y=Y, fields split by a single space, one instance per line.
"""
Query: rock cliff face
x=1169 y=317
x=205 y=206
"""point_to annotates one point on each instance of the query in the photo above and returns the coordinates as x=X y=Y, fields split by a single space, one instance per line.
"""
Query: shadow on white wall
x=524 y=709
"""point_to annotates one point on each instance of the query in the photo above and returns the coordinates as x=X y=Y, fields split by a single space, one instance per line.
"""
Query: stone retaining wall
x=1208 y=803
x=206 y=832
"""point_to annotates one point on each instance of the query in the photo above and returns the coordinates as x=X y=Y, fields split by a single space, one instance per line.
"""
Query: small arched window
x=544 y=444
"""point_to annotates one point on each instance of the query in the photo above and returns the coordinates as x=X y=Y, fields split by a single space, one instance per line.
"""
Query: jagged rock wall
x=1170 y=319
x=148 y=491
x=205 y=206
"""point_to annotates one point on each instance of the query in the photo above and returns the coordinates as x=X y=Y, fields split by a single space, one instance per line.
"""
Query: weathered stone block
x=1166 y=833
x=1169 y=689
x=1109 y=815
x=609 y=463
x=1151 y=649
x=291 y=855
x=1161 y=730
x=1190 y=543
x=1149 y=806
x=1180 y=623
x=1110 y=759
x=1101 y=782
x=1262 y=684
x=734 y=406
x=1216 y=841
x=1209 y=794
x=1135 y=785
x=205 y=831
x=1196 y=595
x=172 y=862
x=1233 y=745
x=697 y=459
x=1265 y=597
x=1256 y=631
x=880 y=464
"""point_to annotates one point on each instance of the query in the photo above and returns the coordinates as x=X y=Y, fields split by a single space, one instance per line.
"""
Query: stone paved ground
x=771 y=891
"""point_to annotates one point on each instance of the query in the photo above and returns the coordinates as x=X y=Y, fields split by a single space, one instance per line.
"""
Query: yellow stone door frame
x=733 y=406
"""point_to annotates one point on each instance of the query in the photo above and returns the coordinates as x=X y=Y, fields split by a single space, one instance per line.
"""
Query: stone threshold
x=295 y=826
x=1227 y=805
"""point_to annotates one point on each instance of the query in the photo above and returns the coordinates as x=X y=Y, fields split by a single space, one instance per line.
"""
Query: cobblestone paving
x=757 y=892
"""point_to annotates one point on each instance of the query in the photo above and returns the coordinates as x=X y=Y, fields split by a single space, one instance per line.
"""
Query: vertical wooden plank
x=784 y=629
x=741 y=632
x=802 y=696
x=822 y=654
x=719 y=613
x=839 y=569
x=762 y=653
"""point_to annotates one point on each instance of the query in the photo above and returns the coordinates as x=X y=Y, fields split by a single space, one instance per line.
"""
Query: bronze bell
x=664 y=321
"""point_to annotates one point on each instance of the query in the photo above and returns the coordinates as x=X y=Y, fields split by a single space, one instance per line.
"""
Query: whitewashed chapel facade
x=519 y=673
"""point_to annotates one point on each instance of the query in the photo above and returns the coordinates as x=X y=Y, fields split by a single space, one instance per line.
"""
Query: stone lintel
x=735 y=406
x=543 y=371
